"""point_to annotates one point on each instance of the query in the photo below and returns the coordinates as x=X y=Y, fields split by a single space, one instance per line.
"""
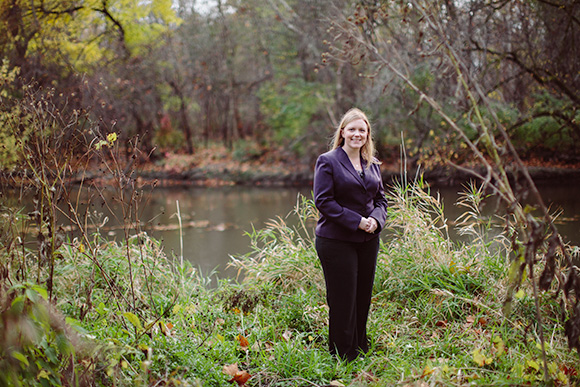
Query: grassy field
x=125 y=313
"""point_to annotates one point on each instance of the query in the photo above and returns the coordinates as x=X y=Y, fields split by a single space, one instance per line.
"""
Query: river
x=214 y=221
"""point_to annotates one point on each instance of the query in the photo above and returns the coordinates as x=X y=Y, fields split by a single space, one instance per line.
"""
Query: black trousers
x=349 y=272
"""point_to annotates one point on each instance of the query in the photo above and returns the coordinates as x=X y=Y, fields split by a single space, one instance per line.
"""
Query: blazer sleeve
x=324 y=196
x=381 y=205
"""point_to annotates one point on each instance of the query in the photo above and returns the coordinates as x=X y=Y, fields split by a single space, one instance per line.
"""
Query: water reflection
x=214 y=220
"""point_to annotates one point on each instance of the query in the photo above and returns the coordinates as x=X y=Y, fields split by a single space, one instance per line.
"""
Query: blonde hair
x=368 y=149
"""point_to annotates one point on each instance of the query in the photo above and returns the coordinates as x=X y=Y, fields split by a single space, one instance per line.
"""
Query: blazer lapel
x=345 y=161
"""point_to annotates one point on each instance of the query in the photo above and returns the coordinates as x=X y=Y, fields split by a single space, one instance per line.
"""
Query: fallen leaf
x=240 y=377
x=499 y=346
x=480 y=359
x=244 y=343
x=287 y=335
x=231 y=369
x=428 y=370
x=165 y=328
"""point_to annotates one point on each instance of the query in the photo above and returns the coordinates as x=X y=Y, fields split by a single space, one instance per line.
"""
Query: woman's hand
x=368 y=224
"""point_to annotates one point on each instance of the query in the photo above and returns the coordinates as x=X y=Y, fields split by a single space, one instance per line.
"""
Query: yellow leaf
x=452 y=267
x=112 y=137
x=562 y=377
x=533 y=364
x=428 y=370
x=100 y=144
x=42 y=374
x=520 y=294
x=499 y=345
x=480 y=359
x=552 y=368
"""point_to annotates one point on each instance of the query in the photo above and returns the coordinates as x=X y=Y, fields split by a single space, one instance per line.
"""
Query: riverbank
x=217 y=166
x=297 y=174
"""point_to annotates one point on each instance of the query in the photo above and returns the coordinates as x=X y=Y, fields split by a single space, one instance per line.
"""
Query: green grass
x=435 y=320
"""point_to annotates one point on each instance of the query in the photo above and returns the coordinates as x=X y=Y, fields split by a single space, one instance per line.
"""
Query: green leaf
x=15 y=287
x=31 y=295
x=41 y=291
x=101 y=309
x=18 y=304
x=51 y=355
x=76 y=325
x=133 y=319
x=21 y=357
x=63 y=344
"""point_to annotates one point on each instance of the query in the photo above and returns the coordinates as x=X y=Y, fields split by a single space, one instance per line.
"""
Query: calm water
x=215 y=220
x=561 y=198
x=218 y=218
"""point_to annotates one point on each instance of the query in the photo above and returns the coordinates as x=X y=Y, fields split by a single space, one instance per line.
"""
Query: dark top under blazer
x=343 y=197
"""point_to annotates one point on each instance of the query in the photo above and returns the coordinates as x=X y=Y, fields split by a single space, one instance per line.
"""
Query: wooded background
x=260 y=75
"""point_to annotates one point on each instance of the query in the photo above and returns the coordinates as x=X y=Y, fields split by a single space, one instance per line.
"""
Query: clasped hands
x=368 y=224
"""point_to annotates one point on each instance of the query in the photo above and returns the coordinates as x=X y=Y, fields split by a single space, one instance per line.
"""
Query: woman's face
x=355 y=134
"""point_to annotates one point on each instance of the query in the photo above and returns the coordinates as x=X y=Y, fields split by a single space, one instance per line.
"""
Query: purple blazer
x=343 y=197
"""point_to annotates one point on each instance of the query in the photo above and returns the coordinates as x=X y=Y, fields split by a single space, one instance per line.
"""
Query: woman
x=349 y=194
